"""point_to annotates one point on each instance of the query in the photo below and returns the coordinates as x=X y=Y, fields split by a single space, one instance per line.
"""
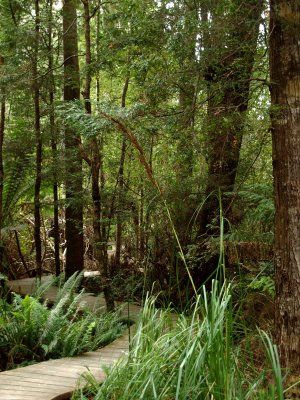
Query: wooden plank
x=64 y=377
x=29 y=396
x=47 y=380
x=5 y=392
x=29 y=388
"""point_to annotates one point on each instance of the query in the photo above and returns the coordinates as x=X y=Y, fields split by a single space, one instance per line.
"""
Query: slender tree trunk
x=100 y=242
x=148 y=209
x=88 y=57
x=119 y=227
x=142 y=224
x=100 y=239
x=2 y=128
x=38 y=139
x=97 y=158
x=21 y=255
x=74 y=206
x=285 y=117
x=53 y=135
x=121 y=185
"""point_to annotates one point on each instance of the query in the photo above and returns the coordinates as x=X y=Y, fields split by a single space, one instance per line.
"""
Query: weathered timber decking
x=28 y=286
x=57 y=379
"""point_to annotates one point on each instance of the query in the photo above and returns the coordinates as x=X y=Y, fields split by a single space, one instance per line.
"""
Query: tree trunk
x=53 y=136
x=73 y=181
x=119 y=226
x=188 y=89
x=100 y=242
x=285 y=116
x=100 y=239
x=38 y=140
x=2 y=128
x=228 y=80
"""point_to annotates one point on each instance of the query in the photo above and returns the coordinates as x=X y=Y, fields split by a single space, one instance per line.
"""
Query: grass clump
x=31 y=332
x=196 y=357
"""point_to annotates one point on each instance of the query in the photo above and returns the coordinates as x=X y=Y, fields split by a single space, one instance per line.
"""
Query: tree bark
x=119 y=227
x=73 y=181
x=2 y=128
x=228 y=79
x=38 y=140
x=100 y=242
x=285 y=117
x=53 y=136
x=188 y=90
x=21 y=255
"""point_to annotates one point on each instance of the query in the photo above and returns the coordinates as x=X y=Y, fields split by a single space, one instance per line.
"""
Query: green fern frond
x=55 y=320
x=15 y=185
x=70 y=286
x=42 y=287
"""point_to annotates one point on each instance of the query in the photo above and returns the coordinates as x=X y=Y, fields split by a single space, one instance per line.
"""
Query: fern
x=78 y=339
x=260 y=204
x=253 y=214
x=30 y=331
x=68 y=287
x=16 y=185
x=264 y=284
x=3 y=277
x=42 y=287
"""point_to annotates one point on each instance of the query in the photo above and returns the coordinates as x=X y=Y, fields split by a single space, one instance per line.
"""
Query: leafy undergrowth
x=31 y=332
x=197 y=357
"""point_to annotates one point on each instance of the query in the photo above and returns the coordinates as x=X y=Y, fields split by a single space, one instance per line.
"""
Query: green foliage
x=192 y=358
x=16 y=186
x=162 y=49
x=255 y=213
x=3 y=277
x=29 y=330
x=260 y=198
x=264 y=283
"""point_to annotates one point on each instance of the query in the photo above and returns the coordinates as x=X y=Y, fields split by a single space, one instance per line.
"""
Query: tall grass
x=195 y=357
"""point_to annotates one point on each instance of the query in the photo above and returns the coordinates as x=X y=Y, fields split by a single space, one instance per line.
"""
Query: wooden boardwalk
x=28 y=286
x=57 y=379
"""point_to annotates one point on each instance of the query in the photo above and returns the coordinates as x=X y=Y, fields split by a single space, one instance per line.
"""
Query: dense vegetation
x=153 y=77
x=207 y=354
x=168 y=131
x=32 y=331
